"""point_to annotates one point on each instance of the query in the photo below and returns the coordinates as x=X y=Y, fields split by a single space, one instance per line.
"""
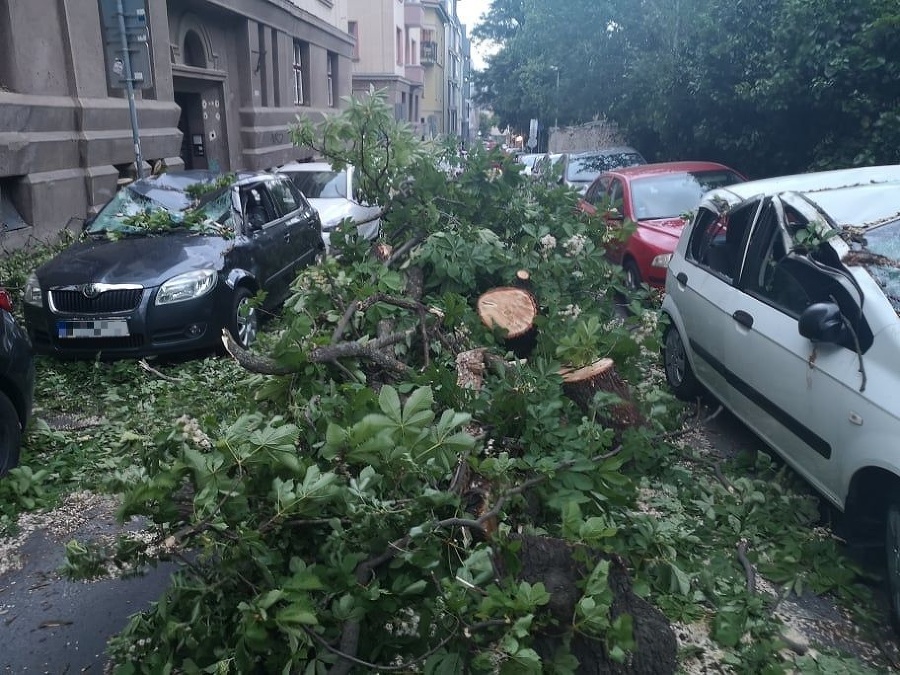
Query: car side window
x=283 y=196
x=771 y=275
x=616 y=196
x=257 y=207
x=717 y=240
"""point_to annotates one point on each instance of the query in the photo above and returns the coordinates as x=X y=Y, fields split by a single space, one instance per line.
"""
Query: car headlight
x=662 y=260
x=33 y=294
x=186 y=286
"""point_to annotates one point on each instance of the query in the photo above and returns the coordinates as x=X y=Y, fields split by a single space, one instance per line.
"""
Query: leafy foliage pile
x=769 y=87
x=355 y=512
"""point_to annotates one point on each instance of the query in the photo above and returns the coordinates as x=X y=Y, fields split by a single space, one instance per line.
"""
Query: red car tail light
x=5 y=300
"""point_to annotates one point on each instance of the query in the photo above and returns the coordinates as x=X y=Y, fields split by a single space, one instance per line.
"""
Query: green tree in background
x=770 y=86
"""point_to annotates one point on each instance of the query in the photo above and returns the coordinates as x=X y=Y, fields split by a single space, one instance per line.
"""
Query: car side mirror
x=614 y=214
x=823 y=322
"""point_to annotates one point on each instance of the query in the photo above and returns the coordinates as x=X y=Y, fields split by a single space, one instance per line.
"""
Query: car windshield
x=671 y=195
x=585 y=168
x=321 y=184
x=138 y=198
x=884 y=242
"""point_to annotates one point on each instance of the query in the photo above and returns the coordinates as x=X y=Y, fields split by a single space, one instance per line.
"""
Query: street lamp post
x=556 y=120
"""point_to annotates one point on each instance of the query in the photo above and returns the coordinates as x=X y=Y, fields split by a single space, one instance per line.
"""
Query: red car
x=656 y=198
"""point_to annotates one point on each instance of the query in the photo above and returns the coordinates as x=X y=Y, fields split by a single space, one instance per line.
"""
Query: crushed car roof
x=860 y=197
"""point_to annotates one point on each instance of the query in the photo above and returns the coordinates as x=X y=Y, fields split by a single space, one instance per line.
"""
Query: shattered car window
x=136 y=199
x=883 y=243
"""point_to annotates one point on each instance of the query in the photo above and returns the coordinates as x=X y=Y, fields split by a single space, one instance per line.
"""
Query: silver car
x=783 y=301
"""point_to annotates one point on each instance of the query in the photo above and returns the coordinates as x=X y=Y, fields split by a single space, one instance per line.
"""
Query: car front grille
x=115 y=300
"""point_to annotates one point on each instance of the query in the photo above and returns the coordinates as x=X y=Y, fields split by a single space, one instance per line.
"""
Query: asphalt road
x=51 y=625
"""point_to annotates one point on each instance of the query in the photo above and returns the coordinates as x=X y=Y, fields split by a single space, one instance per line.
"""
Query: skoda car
x=169 y=262
x=783 y=301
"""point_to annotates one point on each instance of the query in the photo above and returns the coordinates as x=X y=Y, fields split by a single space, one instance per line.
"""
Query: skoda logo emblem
x=90 y=290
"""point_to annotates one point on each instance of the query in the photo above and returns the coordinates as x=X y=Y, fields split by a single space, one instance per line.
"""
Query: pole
x=555 y=121
x=129 y=88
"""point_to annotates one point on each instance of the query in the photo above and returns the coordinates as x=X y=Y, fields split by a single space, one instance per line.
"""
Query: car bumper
x=151 y=329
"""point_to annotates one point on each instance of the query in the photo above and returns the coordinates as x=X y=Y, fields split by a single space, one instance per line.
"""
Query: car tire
x=244 y=320
x=892 y=561
x=10 y=434
x=679 y=373
x=632 y=275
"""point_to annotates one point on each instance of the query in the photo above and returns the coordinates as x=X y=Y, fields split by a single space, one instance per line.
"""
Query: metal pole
x=555 y=121
x=129 y=88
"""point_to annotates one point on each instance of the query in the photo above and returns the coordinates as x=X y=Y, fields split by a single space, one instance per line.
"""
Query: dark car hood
x=148 y=261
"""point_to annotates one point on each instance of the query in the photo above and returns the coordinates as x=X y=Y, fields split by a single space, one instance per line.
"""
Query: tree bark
x=582 y=384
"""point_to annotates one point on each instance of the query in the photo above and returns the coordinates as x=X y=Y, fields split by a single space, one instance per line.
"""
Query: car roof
x=638 y=170
x=179 y=181
x=611 y=150
x=859 y=197
x=305 y=166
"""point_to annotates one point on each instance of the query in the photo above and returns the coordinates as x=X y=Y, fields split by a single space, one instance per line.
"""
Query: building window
x=194 y=53
x=332 y=66
x=399 y=47
x=301 y=76
x=353 y=30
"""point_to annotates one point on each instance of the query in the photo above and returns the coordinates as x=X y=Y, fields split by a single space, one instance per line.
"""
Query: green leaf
x=389 y=402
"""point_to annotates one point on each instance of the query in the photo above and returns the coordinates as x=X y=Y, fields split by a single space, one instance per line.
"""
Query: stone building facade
x=229 y=76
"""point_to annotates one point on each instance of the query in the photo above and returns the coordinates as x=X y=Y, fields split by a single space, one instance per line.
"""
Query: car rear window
x=586 y=168
x=321 y=184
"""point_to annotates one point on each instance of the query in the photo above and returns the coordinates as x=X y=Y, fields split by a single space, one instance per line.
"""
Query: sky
x=469 y=13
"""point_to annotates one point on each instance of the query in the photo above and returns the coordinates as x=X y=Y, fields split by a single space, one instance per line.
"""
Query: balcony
x=428 y=53
x=414 y=15
x=415 y=74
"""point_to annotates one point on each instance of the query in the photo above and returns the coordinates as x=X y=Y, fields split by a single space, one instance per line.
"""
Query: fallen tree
x=415 y=493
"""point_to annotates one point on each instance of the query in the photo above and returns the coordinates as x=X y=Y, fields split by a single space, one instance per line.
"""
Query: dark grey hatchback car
x=169 y=262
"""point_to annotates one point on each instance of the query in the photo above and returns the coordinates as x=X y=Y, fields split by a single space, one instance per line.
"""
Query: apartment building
x=225 y=80
x=417 y=53
x=387 y=53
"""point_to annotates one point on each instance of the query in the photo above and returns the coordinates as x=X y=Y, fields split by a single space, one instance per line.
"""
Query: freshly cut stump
x=582 y=384
x=513 y=311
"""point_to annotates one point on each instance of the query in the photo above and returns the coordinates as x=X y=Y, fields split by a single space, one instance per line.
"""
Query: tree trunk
x=582 y=384
x=511 y=310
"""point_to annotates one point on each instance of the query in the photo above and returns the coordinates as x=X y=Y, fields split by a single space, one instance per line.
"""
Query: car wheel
x=244 y=318
x=10 y=434
x=632 y=275
x=679 y=374
x=892 y=560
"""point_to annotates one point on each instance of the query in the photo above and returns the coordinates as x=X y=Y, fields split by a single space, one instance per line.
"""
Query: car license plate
x=92 y=329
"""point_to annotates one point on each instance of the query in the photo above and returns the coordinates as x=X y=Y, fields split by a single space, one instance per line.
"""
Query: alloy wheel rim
x=675 y=357
x=246 y=322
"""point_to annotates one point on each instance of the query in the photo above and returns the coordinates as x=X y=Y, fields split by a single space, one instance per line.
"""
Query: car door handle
x=681 y=277
x=743 y=318
x=287 y=237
